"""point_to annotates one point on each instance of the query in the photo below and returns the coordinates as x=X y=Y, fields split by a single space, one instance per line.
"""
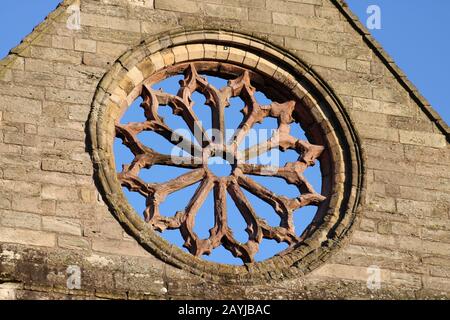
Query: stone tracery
x=215 y=145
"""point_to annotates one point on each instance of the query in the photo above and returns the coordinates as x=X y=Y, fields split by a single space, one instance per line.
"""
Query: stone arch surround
x=121 y=86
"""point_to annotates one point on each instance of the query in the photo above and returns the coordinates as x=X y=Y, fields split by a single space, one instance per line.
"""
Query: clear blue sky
x=414 y=33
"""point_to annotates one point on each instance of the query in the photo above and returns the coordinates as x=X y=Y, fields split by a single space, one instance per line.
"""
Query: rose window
x=200 y=148
x=225 y=156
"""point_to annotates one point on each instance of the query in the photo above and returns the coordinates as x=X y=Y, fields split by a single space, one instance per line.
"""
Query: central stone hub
x=219 y=159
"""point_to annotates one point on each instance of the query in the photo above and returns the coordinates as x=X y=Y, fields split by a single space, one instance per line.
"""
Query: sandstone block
x=187 y=6
x=85 y=45
x=27 y=237
x=61 y=225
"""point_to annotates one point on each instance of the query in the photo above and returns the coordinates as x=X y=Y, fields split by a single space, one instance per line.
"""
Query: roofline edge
x=387 y=60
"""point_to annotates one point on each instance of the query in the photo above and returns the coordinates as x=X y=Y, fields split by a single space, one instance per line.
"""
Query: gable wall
x=51 y=215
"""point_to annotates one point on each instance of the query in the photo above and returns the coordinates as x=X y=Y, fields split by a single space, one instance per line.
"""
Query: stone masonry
x=53 y=217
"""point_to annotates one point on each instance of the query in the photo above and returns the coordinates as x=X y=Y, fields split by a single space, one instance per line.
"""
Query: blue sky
x=413 y=32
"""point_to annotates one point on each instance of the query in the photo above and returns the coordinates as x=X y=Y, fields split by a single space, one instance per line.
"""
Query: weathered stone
x=53 y=54
x=13 y=104
x=111 y=49
x=66 y=166
x=118 y=247
x=225 y=11
x=20 y=220
x=70 y=96
x=85 y=45
x=27 y=237
x=260 y=15
x=422 y=139
x=8 y=290
x=187 y=6
x=62 y=42
x=358 y=66
x=301 y=45
x=114 y=23
x=61 y=225
x=56 y=192
x=303 y=9
x=38 y=65
x=57 y=210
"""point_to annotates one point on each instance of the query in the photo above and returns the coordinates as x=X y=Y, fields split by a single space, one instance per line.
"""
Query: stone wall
x=52 y=215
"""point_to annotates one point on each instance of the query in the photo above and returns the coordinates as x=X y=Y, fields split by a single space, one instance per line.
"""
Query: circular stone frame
x=342 y=167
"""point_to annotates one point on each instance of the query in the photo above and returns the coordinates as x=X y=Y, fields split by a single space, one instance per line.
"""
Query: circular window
x=223 y=154
x=290 y=124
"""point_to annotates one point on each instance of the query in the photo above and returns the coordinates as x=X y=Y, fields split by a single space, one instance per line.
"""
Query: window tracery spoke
x=252 y=111
x=280 y=139
x=191 y=240
x=146 y=157
x=216 y=99
x=128 y=133
x=156 y=123
x=248 y=250
x=159 y=191
x=291 y=172
x=282 y=205
x=134 y=183
x=220 y=230
x=183 y=108
x=182 y=104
